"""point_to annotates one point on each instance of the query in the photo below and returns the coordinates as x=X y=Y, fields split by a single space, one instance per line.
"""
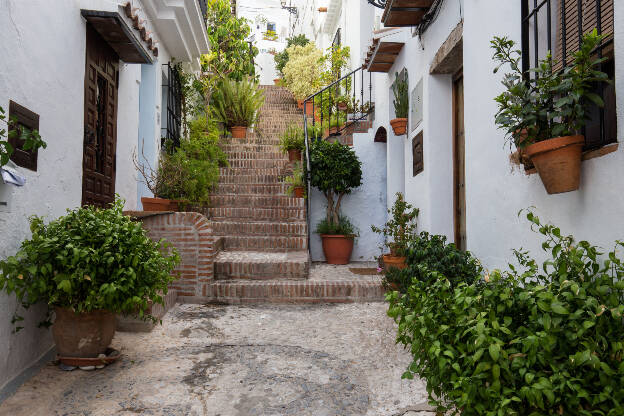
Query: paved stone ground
x=331 y=272
x=320 y=360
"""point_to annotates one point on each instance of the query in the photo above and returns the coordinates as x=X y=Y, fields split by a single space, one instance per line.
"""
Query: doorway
x=459 y=163
x=100 y=120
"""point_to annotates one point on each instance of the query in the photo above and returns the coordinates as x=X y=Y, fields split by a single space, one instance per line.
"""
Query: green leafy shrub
x=401 y=97
x=12 y=130
x=89 y=259
x=302 y=73
x=401 y=227
x=237 y=103
x=282 y=57
x=529 y=341
x=335 y=170
x=292 y=138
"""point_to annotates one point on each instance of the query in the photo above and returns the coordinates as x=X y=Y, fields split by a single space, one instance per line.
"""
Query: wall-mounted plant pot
x=298 y=191
x=294 y=155
x=558 y=162
x=239 y=132
x=399 y=126
x=337 y=248
x=82 y=335
x=322 y=9
x=159 y=204
x=391 y=261
x=276 y=81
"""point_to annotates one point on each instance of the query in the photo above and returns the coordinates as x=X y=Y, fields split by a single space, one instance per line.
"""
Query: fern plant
x=237 y=103
x=401 y=99
x=292 y=139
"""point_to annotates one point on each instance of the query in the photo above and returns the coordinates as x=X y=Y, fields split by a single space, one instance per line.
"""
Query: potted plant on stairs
x=543 y=116
x=401 y=106
x=296 y=182
x=236 y=104
x=335 y=170
x=292 y=141
x=86 y=266
x=397 y=232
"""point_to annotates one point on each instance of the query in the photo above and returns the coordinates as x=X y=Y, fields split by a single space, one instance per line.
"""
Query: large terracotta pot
x=159 y=204
x=337 y=248
x=82 y=335
x=239 y=132
x=294 y=155
x=394 y=261
x=558 y=162
x=399 y=126
x=298 y=191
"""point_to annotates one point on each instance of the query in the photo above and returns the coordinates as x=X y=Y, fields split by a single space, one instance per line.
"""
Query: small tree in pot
x=335 y=170
x=401 y=105
x=398 y=232
x=87 y=266
x=543 y=115
x=236 y=104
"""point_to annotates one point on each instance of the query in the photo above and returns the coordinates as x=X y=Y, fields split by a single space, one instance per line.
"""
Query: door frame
x=459 y=75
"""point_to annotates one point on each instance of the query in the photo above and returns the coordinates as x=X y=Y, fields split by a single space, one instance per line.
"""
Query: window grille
x=171 y=130
x=558 y=26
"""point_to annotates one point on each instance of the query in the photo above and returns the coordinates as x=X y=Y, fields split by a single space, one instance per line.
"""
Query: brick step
x=249 y=148
x=260 y=228
x=252 y=171
x=280 y=163
x=271 y=243
x=258 y=141
x=297 y=292
x=255 y=265
x=245 y=189
x=277 y=214
x=249 y=201
x=273 y=154
x=250 y=179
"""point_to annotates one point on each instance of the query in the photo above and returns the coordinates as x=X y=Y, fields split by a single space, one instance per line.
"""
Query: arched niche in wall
x=381 y=136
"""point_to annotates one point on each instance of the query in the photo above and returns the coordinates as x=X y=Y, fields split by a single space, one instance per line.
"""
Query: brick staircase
x=263 y=230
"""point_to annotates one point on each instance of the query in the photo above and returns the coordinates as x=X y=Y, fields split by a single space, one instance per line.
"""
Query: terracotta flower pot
x=159 y=204
x=300 y=104
x=394 y=261
x=294 y=155
x=342 y=106
x=322 y=9
x=276 y=81
x=298 y=191
x=337 y=248
x=399 y=126
x=239 y=132
x=82 y=335
x=558 y=162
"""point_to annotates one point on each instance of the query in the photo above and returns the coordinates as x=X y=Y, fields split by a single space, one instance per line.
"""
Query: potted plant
x=342 y=103
x=335 y=170
x=543 y=115
x=87 y=266
x=185 y=175
x=236 y=104
x=302 y=72
x=401 y=105
x=398 y=232
x=291 y=142
x=296 y=182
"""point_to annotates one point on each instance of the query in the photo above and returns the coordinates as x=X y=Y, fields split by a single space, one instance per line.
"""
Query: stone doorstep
x=128 y=323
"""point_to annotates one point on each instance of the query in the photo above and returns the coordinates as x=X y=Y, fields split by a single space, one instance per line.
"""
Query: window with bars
x=558 y=26
x=171 y=125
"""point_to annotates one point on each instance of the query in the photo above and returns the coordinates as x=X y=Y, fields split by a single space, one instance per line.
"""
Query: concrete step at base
x=272 y=243
x=293 y=292
x=255 y=265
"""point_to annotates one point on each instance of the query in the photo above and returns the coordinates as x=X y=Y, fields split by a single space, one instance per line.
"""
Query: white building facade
x=453 y=163
x=92 y=75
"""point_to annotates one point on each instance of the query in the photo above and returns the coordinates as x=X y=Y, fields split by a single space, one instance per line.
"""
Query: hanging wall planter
x=558 y=162
x=239 y=132
x=399 y=126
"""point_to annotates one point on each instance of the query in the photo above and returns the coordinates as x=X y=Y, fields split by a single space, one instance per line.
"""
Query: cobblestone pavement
x=331 y=272
x=319 y=360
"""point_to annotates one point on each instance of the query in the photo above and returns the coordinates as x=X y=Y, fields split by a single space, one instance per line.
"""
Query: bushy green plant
x=550 y=103
x=527 y=341
x=237 y=103
x=296 y=179
x=302 y=73
x=401 y=97
x=282 y=57
x=400 y=229
x=335 y=170
x=342 y=227
x=87 y=260
x=292 y=138
x=11 y=130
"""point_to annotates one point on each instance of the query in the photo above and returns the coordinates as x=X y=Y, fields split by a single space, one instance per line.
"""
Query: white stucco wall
x=365 y=205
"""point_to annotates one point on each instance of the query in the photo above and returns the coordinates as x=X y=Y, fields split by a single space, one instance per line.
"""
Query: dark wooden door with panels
x=100 y=121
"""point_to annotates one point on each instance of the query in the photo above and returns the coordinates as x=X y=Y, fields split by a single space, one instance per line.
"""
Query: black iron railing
x=172 y=126
x=557 y=27
x=203 y=6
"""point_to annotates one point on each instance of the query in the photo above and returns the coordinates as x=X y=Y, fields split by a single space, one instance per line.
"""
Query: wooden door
x=459 y=163
x=100 y=119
